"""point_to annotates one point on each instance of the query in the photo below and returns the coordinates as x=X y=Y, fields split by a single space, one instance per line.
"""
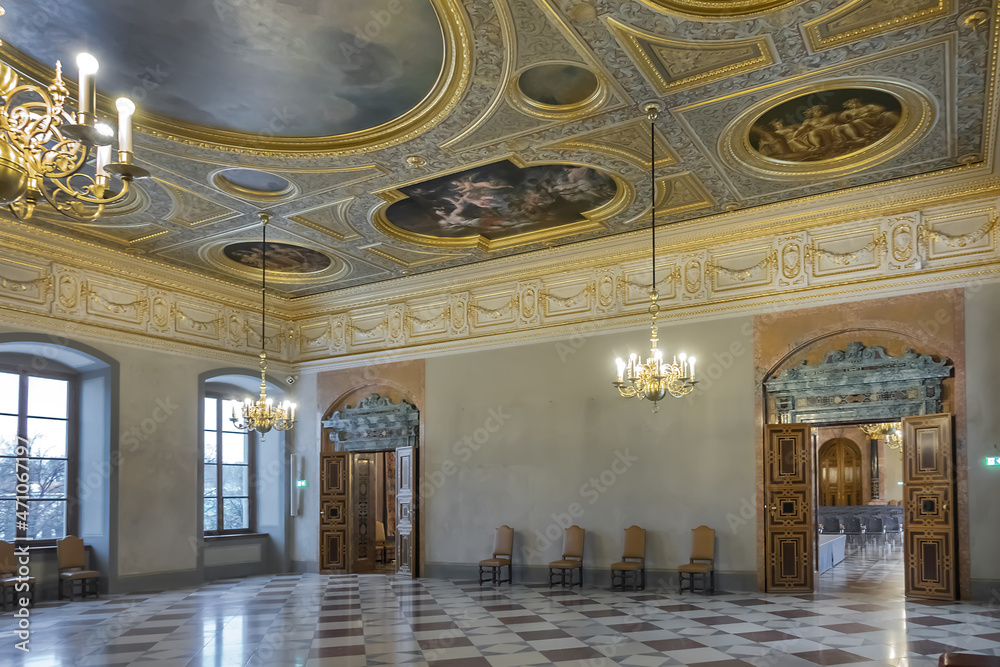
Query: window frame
x=251 y=464
x=72 y=458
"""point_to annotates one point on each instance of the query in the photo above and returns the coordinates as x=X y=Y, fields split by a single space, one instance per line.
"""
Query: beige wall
x=529 y=435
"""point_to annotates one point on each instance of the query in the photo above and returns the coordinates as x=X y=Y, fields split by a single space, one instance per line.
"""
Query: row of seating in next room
x=15 y=578
x=631 y=571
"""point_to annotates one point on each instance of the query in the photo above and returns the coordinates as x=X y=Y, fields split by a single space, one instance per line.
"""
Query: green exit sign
x=993 y=460
x=301 y=483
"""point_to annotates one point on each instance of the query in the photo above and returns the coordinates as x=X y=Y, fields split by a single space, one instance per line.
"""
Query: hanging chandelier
x=891 y=432
x=262 y=415
x=50 y=153
x=655 y=378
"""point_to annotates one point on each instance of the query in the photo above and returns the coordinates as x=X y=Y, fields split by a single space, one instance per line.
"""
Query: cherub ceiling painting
x=500 y=200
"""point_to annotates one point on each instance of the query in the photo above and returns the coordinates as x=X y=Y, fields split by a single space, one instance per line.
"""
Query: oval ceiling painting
x=292 y=68
x=501 y=199
x=281 y=257
x=825 y=125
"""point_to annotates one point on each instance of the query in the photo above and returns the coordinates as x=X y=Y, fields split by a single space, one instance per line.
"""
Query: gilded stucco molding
x=866 y=18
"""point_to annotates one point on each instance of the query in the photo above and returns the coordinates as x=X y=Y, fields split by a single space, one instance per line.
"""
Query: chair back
x=702 y=543
x=379 y=532
x=635 y=544
x=7 y=564
x=573 y=543
x=892 y=524
x=69 y=551
x=503 y=542
x=852 y=525
x=876 y=525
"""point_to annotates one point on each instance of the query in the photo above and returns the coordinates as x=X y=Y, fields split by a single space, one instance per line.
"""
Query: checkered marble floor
x=350 y=620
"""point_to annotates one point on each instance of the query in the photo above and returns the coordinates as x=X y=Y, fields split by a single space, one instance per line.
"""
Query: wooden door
x=929 y=511
x=333 y=512
x=788 y=509
x=406 y=512
x=363 y=508
x=840 y=473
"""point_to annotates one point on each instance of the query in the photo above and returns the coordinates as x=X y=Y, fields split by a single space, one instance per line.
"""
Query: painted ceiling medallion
x=719 y=8
x=500 y=204
x=253 y=184
x=557 y=85
x=331 y=70
x=281 y=257
x=830 y=129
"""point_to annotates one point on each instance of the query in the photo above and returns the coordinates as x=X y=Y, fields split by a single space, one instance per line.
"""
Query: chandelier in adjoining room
x=656 y=378
x=50 y=153
x=891 y=432
x=262 y=415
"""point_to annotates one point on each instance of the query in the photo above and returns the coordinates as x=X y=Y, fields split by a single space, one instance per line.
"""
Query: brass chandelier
x=655 y=378
x=891 y=432
x=50 y=153
x=262 y=415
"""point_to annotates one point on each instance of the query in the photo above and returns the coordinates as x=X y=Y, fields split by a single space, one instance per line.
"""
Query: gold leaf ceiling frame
x=519 y=100
x=592 y=219
x=214 y=254
x=867 y=18
x=432 y=109
x=717 y=8
x=916 y=119
x=707 y=61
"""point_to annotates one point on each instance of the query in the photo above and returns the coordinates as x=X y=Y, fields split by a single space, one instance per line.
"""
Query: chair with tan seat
x=379 y=541
x=632 y=568
x=9 y=580
x=702 y=561
x=503 y=551
x=73 y=568
x=572 y=559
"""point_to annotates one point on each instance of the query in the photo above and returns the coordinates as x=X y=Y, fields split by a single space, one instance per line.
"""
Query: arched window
x=229 y=468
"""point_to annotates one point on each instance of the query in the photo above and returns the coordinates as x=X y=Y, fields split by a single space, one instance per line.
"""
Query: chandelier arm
x=77 y=207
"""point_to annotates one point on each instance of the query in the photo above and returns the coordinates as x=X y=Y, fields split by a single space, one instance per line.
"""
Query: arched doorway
x=839 y=473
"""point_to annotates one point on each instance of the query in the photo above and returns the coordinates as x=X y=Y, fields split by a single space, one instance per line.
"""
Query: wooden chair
x=379 y=541
x=572 y=558
x=72 y=568
x=702 y=561
x=503 y=551
x=633 y=564
x=9 y=580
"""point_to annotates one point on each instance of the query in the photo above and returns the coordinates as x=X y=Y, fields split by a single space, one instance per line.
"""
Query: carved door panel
x=788 y=513
x=363 y=502
x=929 y=514
x=406 y=512
x=333 y=512
x=840 y=474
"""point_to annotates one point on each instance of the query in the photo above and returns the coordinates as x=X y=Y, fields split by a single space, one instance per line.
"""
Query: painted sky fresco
x=501 y=199
x=281 y=257
x=293 y=68
x=825 y=125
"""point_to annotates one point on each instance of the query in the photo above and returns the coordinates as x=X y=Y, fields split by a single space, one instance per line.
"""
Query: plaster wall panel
x=535 y=436
x=982 y=315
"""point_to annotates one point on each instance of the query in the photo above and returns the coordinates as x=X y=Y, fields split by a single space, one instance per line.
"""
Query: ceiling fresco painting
x=500 y=200
x=281 y=257
x=389 y=138
x=825 y=124
x=290 y=68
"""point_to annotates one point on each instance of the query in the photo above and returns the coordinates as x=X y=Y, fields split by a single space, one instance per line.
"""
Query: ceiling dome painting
x=292 y=68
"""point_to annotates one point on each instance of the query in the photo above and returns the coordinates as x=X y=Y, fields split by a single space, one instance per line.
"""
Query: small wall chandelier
x=50 y=153
x=262 y=415
x=891 y=432
x=655 y=378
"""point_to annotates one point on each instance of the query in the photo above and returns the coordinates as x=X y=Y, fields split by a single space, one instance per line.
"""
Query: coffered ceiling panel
x=389 y=139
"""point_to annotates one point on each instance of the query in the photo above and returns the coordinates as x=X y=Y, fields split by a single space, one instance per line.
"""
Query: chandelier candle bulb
x=691 y=362
x=88 y=66
x=103 y=159
x=125 y=110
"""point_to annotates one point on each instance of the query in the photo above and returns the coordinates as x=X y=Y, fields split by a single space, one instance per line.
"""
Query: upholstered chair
x=503 y=551
x=73 y=568
x=631 y=571
x=9 y=579
x=702 y=562
x=572 y=559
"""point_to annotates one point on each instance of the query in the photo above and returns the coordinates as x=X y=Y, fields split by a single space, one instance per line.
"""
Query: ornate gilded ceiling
x=399 y=137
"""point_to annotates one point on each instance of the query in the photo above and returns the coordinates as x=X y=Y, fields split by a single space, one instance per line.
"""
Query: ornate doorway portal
x=863 y=385
x=368 y=511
